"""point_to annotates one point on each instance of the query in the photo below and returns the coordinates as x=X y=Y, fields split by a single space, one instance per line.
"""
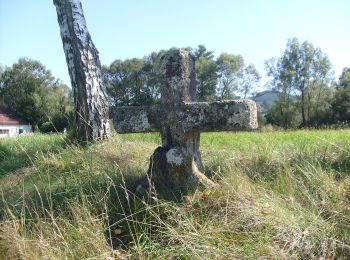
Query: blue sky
x=257 y=30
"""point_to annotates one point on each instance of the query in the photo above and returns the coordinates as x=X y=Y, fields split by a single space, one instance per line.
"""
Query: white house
x=11 y=124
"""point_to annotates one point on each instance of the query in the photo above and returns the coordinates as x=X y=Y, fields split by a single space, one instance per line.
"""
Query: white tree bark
x=90 y=96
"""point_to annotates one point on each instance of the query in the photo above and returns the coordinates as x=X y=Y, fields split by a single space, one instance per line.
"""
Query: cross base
x=174 y=167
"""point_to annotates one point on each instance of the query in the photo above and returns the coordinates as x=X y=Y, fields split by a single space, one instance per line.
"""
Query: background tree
x=28 y=88
x=58 y=103
x=201 y=51
x=229 y=69
x=344 y=79
x=134 y=81
x=206 y=74
x=137 y=81
x=153 y=74
x=341 y=102
x=90 y=96
x=114 y=76
x=341 y=105
x=2 y=69
x=23 y=87
x=234 y=78
x=248 y=81
x=283 y=111
x=318 y=105
x=301 y=67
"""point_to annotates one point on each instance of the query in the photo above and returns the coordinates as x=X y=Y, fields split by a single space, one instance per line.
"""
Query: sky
x=256 y=29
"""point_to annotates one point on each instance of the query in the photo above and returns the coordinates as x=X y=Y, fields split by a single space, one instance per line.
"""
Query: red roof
x=9 y=117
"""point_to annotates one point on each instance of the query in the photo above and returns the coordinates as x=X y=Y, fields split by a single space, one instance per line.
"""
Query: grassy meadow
x=282 y=195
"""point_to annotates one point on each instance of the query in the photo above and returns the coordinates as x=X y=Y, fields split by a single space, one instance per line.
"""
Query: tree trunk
x=90 y=97
x=308 y=96
x=303 y=109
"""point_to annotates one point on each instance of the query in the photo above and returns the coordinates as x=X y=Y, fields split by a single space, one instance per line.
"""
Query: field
x=282 y=195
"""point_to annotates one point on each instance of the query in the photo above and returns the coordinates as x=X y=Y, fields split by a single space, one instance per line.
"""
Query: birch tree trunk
x=90 y=97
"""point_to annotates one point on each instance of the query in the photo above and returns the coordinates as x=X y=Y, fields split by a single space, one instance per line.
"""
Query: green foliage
x=318 y=105
x=47 y=127
x=133 y=81
x=2 y=69
x=305 y=71
x=23 y=86
x=206 y=72
x=282 y=195
x=28 y=88
x=229 y=66
x=341 y=105
x=344 y=79
x=202 y=52
x=283 y=113
x=152 y=70
x=225 y=77
x=138 y=81
x=248 y=81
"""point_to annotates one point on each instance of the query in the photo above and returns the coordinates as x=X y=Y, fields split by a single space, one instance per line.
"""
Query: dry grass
x=282 y=195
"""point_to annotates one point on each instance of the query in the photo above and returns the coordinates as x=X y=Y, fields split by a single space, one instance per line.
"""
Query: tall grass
x=282 y=195
x=16 y=153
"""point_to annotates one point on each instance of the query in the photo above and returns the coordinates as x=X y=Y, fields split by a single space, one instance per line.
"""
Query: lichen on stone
x=174 y=156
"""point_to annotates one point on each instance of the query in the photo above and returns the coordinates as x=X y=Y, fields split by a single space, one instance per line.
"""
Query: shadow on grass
x=342 y=166
x=109 y=195
x=16 y=153
x=11 y=161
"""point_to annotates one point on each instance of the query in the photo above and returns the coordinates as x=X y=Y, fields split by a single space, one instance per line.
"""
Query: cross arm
x=137 y=119
x=225 y=115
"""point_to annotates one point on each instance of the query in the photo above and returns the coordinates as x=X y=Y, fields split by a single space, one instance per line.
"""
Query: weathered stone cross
x=177 y=163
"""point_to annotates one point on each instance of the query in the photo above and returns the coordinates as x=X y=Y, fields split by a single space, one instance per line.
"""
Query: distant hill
x=265 y=100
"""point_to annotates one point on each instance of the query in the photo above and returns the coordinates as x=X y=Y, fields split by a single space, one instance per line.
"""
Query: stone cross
x=180 y=119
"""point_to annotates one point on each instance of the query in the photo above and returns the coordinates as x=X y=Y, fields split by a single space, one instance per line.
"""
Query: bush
x=61 y=122
x=57 y=124
x=47 y=127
